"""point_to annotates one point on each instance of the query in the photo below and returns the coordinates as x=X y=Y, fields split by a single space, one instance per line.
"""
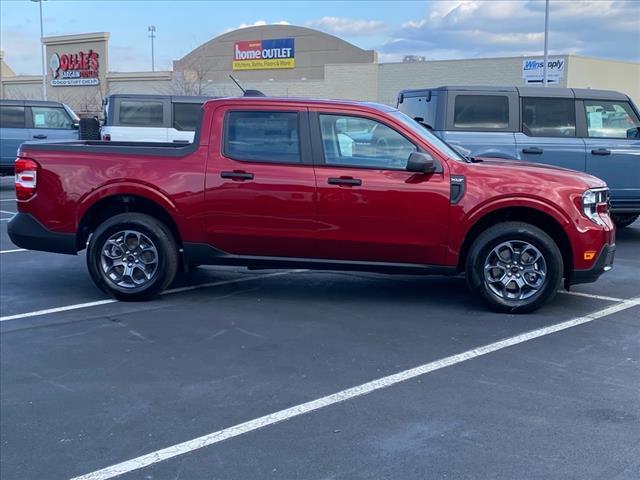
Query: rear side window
x=11 y=117
x=262 y=136
x=185 y=116
x=607 y=119
x=549 y=117
x=51 y=117
x=141 y=113
x=481 y=111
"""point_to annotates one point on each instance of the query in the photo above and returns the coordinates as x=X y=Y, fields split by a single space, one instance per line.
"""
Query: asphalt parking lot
x=239 y=374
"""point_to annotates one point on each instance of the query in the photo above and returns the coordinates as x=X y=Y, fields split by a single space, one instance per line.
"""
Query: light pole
x=546 y=43
x=152 y=36
x=44 y=71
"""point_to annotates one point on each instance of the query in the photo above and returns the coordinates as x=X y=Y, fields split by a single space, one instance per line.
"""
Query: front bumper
x=604 y=263
x=27 y=232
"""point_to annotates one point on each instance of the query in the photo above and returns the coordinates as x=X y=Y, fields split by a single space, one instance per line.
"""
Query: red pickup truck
x=330 y=185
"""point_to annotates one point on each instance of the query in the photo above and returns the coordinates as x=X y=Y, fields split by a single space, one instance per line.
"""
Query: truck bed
x=165 y=149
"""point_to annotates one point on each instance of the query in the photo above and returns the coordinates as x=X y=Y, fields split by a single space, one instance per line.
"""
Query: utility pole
x=546 y=43
x=44 y=69
x=152 y=36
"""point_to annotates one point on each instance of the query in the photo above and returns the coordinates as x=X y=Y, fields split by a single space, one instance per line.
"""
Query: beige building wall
x=587 y=72
x=482 y=71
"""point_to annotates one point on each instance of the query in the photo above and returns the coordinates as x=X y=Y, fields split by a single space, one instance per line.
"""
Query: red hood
x=546 y=172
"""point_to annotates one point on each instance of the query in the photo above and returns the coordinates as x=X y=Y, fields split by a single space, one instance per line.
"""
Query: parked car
x=268 y=184
x=23 y=120
x=593 y=131
x=150 y=118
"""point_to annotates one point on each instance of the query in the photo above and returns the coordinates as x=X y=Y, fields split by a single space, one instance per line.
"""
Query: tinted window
x=611 y=119
x=11 y=117
x=548 y=117
x=481 y=111
x=141 y=113
x=361 y=142
x=51 y=117
x=186 y=116
x=263 y=136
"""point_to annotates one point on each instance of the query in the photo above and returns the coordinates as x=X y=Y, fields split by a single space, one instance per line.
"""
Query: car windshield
x=422 y=131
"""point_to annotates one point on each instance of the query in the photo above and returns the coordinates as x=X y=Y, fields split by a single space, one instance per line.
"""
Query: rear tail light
x=26 y=178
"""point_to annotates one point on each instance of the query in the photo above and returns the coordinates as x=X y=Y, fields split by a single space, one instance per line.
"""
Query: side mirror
x=420 y=162
x=633 y=132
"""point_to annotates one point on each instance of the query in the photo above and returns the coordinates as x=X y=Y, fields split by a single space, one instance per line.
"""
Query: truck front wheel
x=514 y=267
x=132 y=256
x=623 y=220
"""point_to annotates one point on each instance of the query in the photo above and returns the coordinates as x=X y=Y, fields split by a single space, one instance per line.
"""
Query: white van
x=151 y=118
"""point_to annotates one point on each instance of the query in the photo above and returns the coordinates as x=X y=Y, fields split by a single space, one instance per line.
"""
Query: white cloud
x=472 y=28
x=347 y=26
x=257 y=23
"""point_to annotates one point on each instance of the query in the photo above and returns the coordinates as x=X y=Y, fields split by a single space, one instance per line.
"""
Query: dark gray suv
x=593 y=131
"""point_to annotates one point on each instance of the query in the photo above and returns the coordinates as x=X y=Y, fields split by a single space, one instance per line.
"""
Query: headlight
x=594 y=202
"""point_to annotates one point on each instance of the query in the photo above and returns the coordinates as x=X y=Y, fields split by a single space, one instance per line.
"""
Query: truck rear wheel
x=132 y=256
x=514 y=267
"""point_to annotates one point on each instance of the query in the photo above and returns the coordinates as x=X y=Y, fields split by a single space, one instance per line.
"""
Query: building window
x=141 y=113
x=548 y=117
x=481 y=111
x=11 y=117
x=361 y=142
x=186 y=116
x=611 y=119
x=262 y=136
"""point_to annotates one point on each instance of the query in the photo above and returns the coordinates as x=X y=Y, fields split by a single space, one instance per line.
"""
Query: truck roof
x=30 y=103
x=535 y=91
x=300 y=102
x=172 y=98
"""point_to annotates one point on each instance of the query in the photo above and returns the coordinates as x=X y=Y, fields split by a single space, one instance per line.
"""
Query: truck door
x=50 y=123
x=13 y=132
x=548 y=133
x=260 y=184
x=370 y=208
x=613 y=150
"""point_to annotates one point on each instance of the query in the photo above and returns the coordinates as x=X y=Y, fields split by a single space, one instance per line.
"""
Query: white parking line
x=8 y=200
x=590 y=295
x=10 y=213
x=364 y=389
x=15 y=250
x=67 y=308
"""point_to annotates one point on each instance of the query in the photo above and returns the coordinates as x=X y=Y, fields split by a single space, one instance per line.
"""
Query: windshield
x=422 y=131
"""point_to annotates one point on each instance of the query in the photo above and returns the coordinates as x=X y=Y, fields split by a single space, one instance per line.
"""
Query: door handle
x=348 y=181
x=40 y=136
x=237 y=175
x=601 y=151
x=533 y=150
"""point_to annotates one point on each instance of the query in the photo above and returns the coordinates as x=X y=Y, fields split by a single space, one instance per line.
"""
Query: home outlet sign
x=264 y=54
x=74 y=69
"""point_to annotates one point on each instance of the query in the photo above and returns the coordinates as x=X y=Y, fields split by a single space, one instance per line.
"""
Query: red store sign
x=72 y=69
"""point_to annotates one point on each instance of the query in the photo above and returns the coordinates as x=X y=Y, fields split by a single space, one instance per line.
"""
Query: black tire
x=89 y=129
x=165 y=253
x=519 y=233
x=623 y=220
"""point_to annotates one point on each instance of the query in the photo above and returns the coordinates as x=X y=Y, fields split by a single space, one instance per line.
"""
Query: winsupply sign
x=533 y=70
x=73 y=69
x=264 y=54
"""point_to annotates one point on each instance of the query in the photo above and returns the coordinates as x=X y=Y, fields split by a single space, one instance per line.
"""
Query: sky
x=434 y=29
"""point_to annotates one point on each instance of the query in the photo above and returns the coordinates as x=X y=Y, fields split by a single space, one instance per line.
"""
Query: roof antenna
x=238 y=84
x=247 y=93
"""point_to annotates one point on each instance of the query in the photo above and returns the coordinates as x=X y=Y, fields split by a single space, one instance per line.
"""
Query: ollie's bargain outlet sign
x=264 y=54
x=73 y=69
